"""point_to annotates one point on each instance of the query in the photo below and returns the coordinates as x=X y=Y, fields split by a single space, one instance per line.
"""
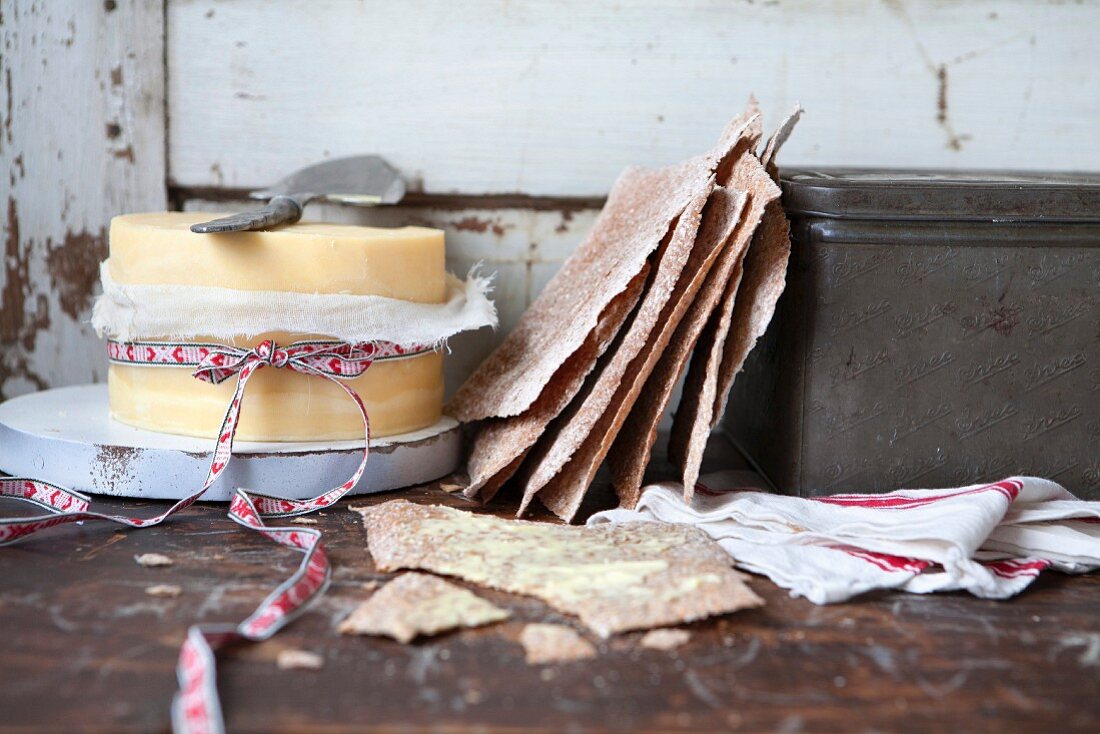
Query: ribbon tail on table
x=196 y=708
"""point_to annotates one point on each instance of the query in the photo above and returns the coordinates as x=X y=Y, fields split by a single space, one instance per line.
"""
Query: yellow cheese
x=405 y=263
x=280 y=405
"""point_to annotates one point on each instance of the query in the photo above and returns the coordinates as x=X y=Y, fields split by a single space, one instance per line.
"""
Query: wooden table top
x=85 y=649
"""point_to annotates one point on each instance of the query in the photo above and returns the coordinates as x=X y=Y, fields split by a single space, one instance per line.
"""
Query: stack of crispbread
x=689 y=258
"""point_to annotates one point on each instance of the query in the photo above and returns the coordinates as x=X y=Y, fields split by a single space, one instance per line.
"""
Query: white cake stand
x=66 y=436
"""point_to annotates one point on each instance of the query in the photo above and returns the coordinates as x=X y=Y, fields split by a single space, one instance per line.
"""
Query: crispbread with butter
x=614 y=578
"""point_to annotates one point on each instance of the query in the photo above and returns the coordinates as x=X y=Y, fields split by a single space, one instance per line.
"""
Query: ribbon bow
x=323 y=358
x=196 y=707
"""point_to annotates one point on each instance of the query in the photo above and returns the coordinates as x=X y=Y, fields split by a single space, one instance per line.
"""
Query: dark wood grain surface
x=83 y=648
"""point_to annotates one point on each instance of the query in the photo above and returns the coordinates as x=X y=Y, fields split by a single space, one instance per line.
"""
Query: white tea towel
x=989 y=539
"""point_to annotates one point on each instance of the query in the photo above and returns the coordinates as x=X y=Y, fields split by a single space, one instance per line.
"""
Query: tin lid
x=943 y=195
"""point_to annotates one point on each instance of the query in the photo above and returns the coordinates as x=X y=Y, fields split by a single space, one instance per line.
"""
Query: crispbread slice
x=500 y=444
x=633 y=445
x=613 y=577
x=746 y=308
x=563 y=464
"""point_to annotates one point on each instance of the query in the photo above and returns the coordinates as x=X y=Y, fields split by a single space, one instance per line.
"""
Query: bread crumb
x=299 y=660
x=665 y=639
x=152 y=560
x=164 y=590
x=304 y=521
x=554 y=643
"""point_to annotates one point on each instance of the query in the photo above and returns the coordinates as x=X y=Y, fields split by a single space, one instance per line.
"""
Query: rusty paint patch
x=1003 y=320
x=116 y=76
x=11 y=96
x=19 y=326
x=941 y=98
x=566 y=219
x=112 y=464
x=474 y=224
x=126 y=153
x=954 y=140
x=74 y=269
x=16 y=325
x=15 y=281
x=113 y=130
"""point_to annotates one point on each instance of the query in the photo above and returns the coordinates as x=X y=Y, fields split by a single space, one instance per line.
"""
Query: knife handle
x=280 y=210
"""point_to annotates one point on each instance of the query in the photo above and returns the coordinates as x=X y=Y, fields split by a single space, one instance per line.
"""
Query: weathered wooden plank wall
x=554 y=98
x=510 y=120
x=82 y=139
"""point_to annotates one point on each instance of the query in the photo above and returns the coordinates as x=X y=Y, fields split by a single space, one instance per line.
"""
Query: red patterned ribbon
x=196 y=708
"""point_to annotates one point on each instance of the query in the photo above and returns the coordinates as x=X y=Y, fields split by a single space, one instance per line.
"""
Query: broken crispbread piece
x=633 y=445
x=562 y=466
x=613 y=577
x=545 y=644
x=500 y=444
x=416 y=604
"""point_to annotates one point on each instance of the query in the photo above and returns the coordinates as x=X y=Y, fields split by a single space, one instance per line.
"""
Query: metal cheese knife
x=363 y=180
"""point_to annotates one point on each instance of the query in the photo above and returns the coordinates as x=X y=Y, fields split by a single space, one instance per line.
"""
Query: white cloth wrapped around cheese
x=163 y=282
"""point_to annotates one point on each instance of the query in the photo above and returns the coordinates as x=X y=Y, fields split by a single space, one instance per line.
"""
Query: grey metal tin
x=920 y=345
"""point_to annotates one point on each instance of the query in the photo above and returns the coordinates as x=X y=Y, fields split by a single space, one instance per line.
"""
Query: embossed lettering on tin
x=974 y=421
x=923 y=367
x=851 y=318
x=849 y=268
x=919 y=318
x=905 y=472
x=1051 y=267
x=838 y=424
x=984 y=469
x=976 y=372
x=1002 y=320
x=909 y=424
x=918 y=267
x=983 y=270
x=854 y=366
x=1046 y=372
x=1046 y=322
x=1039 y=425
